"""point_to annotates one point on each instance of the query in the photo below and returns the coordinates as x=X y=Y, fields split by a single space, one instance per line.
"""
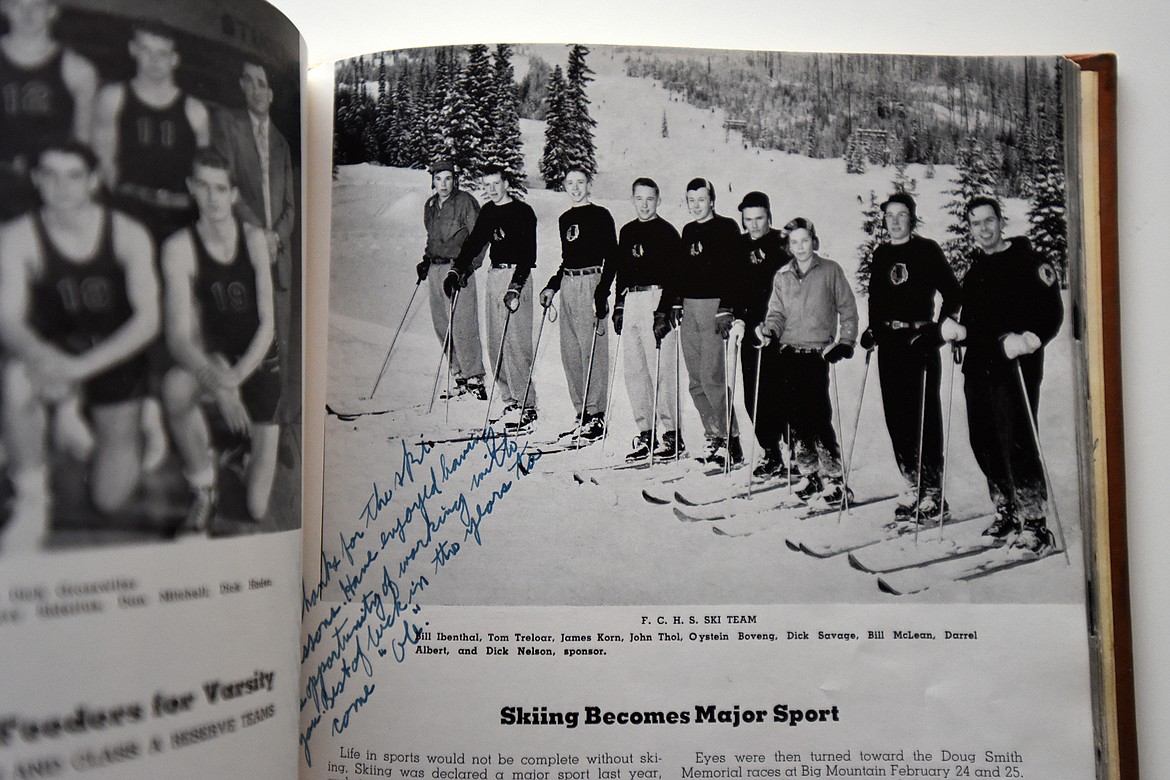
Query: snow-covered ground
x=555 y=540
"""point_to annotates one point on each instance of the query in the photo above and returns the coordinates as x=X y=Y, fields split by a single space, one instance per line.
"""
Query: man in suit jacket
x=261 y=166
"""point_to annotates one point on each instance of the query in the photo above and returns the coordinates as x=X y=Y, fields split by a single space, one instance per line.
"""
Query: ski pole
x=677 y=396
x=588 y=379
x=446 y=347
x=727 y=405
x=918 y=479
x=736 y=337
x=856 y=428
x=394 y=340
x=609 y=390
x=654 y=405
x=1033 y=427
x=496 y=371
x=791 y=452
x=840 y=433
x=755 y=417
x=955 y=357
x=549 y=314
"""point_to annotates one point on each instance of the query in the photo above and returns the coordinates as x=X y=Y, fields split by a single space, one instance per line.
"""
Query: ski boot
x=592 y=429
x=770 y=465
x=476 y=387
x=812 y=488
x=523 y=423
x=835 y=492
x=667 y=446
x=641 y=448
x=1034 y=540
x=1004 y=525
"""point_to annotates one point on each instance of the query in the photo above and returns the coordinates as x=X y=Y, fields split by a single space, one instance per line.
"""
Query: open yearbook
x=553 y=412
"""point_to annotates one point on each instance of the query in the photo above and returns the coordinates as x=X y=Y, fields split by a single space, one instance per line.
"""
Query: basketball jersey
x=35 y=106
x=225 y=295
x=76 y=305
x=155 y=145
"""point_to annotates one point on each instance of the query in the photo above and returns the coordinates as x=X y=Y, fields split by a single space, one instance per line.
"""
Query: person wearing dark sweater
x=509 y=226
x=906 y=274
x=747 y=287
x=709 y=245
x=647 y=248
x=588 y=240
x=1011 y=308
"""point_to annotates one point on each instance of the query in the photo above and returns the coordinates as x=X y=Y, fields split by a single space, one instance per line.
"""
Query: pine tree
x=580 y=149
x=404 y=148
x=873 y=224
x=503 y=146
x=553 y=161
x=665 y=128
x=975 y=177
x=854 y=158
x=902 y=182
x=385 y=130
x=1048 y=228
x=466 y=113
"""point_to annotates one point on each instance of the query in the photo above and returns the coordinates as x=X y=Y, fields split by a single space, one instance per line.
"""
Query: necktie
x=260 y=130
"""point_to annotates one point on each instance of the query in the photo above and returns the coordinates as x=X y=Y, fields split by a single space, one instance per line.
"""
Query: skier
x=449 y=216
x=810 y=298
x=709 y=246
x=588 y=241
x=647 y=249
x=906 y=273
x=509 y=225
x=748 y=285
x=1011 y=308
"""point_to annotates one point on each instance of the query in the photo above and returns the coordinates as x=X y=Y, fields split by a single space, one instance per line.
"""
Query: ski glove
x=617 y=320
x=546 y=297
x=837 y=352
x=661 y=326
x=765 y=334
x=1017 y=344
x=951 y=331
x=737 y=329
x=421 y=269
x=723 y=322
x=676 y=315
x=453 y=282
x=600 y=305
x=868 y=341
x=512 y=300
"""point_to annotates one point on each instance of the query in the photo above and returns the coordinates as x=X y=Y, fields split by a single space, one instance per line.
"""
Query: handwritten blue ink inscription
x=365 y=607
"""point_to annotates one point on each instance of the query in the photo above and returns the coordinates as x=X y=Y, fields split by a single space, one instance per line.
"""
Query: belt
x=441 y=260
x=593 y=269
x=643 y=288
x=800 y=350
x=503 y=266
x=166 y=199
x=903 y=325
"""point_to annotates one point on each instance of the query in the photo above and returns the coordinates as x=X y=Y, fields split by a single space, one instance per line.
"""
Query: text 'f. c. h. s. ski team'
x=726 y=296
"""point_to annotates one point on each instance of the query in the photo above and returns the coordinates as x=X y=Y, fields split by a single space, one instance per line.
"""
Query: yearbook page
x=700 y=414
x=150 y=298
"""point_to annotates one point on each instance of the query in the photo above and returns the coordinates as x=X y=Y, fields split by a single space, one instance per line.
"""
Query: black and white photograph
x=150 y=273
x=622 y=325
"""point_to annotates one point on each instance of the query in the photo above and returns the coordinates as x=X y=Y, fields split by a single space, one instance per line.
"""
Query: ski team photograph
x=149 y=265
x=811 y=316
